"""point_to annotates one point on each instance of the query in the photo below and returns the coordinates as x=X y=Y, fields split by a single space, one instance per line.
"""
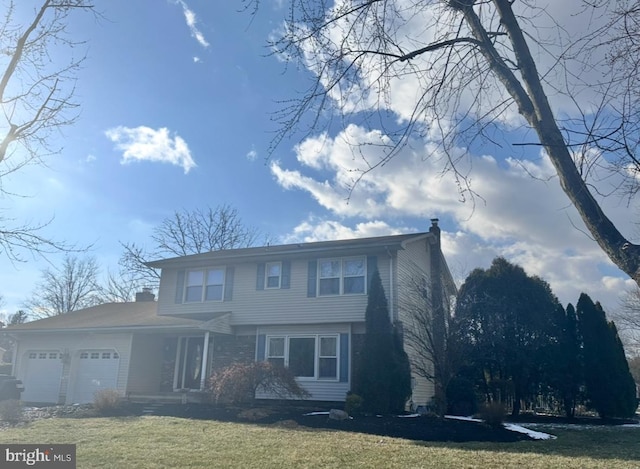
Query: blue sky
x=176 y=101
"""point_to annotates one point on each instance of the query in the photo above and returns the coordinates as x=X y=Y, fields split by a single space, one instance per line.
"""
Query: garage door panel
x=96 y=370
x=42 y=376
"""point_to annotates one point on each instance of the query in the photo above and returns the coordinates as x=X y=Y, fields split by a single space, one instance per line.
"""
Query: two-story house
x=300 y=305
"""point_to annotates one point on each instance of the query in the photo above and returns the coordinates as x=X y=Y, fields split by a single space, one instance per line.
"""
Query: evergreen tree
x=565 y=364
x=505 y=324
x=383 y=376
x=610 y=388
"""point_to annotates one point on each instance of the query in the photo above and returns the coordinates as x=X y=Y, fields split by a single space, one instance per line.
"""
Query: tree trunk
x=534 y=107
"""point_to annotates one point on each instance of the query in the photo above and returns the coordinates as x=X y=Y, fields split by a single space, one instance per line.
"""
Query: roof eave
x=289 y=250
x=104 y=329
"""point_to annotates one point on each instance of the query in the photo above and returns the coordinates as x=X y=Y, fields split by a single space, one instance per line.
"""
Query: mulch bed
x=422 y=428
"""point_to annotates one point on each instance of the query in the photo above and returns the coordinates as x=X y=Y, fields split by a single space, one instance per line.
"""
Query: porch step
x=151 y=408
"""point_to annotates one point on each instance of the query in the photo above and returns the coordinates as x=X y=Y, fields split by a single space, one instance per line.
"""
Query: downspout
x=394 y=312
x=14 y=355
x=205 y=356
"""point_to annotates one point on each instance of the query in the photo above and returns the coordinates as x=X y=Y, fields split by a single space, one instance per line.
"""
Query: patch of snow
x=509 y=426
x=316 y=413
x=460 y=417
x=409 y=416
x=531 y=433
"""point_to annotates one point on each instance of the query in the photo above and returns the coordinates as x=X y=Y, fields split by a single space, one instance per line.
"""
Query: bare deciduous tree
x=627 y=319
x=185 y=233
x=122 y=286
x=433 y=353
x=463 y=65
x=36 y=96
x=71 y=287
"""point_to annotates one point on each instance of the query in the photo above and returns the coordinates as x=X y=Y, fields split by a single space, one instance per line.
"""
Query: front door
x=189 y=363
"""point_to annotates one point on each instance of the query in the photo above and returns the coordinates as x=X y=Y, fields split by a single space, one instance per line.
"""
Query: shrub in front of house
x=353 y=404
x=107 y=402
x=11 y=411
x=383 y=376
x=238 y=383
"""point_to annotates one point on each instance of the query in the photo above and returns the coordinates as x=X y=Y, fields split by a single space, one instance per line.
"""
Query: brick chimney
x=435 y=229
x=145 y=295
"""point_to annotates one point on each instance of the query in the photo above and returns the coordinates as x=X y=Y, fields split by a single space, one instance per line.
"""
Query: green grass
x=157 y=442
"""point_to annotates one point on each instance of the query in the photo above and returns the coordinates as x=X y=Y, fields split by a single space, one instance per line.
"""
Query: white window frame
x=316 y=353
x=204 y=285
x=267 y=276
x=342 y=275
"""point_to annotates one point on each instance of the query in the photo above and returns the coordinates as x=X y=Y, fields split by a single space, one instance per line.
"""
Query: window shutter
x=179 y=286
x=228 y=284
x=344 y=358
x=260 y=348
x=286 y=274
x=372 y=266
x=312 y=279
x=260 y=276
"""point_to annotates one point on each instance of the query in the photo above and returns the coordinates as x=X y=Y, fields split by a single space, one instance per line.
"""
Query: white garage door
x=96 y=369
x=41 y=379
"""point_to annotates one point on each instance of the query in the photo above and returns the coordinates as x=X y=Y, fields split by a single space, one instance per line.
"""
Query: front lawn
x=171 y=442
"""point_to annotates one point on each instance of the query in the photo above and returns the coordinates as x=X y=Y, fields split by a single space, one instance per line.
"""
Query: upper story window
x=273 y=275
x=204 y=285
x=341 y=276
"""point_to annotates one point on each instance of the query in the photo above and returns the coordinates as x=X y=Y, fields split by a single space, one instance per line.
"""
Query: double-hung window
x=204 y=285
x=341 y=276
x=273 y=274
x=309 y=357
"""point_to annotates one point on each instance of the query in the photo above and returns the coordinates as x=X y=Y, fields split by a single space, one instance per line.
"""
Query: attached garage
x=67 y=358
x=94 y=370
x=42 y=376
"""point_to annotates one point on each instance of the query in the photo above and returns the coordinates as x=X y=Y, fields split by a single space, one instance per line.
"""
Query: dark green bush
x=353 y=404
x=461 y=397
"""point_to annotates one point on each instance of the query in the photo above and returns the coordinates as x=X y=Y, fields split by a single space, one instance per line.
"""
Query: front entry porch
x=175 y=368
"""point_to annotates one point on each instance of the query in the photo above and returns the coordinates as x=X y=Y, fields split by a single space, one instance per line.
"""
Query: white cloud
x=252 y=154
x=196 y=60
x=318 y=229
x=526 y=219
x=192 y=20
x=147 y=144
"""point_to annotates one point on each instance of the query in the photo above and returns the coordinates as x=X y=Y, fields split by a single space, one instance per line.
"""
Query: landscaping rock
x=337 y=414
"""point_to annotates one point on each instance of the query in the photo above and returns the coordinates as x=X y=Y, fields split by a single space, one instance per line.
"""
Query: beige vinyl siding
x=320 y=390
x=422 y=391
x=145 y=369
x=412 y=267
x=72 y=344
x=251 y=306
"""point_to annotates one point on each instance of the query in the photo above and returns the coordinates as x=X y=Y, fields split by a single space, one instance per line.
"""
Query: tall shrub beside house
x=610 y=388
x=383 y=376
